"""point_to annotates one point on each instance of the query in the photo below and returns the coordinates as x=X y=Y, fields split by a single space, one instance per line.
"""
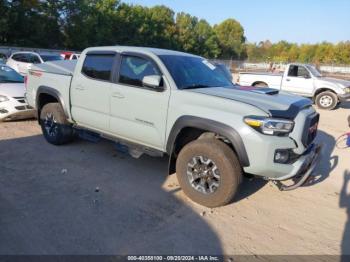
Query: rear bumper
x=300 y=176
x=343 y=98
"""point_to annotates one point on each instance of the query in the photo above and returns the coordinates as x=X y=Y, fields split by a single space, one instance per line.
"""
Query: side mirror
x=152 y=81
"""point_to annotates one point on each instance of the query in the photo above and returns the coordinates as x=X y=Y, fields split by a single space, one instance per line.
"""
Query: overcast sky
x=300 y=21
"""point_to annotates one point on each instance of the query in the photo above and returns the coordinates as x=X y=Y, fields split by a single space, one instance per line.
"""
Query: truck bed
x=261 y=73
x=273 y=80
x=53 y=75
x=65 y=67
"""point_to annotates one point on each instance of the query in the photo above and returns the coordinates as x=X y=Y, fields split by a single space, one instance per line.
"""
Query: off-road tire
x=62 y=131
x=227 y=163
x=322 y=99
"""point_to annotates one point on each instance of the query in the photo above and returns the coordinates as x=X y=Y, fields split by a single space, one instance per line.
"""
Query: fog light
x=3 y=111
x=282 y=156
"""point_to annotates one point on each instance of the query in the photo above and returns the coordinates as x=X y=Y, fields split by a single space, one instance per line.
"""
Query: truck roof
x=146 y=50
x=66 y=67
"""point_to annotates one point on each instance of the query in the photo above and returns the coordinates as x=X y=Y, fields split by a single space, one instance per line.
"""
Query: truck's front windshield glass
x=191 y=72
x=314 y=71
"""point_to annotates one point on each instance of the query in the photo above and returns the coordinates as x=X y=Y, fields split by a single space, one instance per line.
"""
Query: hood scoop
x=260 y=90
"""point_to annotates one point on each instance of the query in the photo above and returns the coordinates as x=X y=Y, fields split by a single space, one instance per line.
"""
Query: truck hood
x=344 y=83
x=275 y=103
x=12 y=89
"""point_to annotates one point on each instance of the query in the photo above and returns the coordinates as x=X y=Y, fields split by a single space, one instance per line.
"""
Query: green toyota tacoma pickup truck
x=159 y=102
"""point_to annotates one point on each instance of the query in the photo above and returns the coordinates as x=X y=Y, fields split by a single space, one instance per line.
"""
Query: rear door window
x=98 y=66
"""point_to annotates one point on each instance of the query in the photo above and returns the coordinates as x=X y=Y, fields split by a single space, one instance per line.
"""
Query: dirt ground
x=87 y=198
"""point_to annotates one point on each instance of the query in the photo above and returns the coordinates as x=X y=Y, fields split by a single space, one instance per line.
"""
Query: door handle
x=287 y=79
x=117 y=95
x=80 y=87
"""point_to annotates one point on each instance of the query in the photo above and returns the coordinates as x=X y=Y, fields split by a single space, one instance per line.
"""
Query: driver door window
x=133 y=69
x=298 y=71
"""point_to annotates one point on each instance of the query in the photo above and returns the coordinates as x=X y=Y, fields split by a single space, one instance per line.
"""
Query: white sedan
x=22 y=61
x=12 y=103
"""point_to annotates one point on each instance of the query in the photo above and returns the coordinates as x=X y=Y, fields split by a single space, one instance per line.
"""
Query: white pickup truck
x=304 y=80
x=157 y=102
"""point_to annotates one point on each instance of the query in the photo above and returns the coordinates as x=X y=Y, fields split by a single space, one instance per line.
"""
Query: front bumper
x=300 y=176
x=15 y=109
x=344 y=98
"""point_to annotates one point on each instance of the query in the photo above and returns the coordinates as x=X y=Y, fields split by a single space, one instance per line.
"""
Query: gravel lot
x=87 y=198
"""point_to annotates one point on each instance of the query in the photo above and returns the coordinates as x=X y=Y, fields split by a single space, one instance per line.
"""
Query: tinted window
x=32 y=59
x=26 y=58
x=297 y=71
x=98 y=66
x=194 y=72
x=133 y=69
x=19 y=58
x=47 y=58
x=221 y=68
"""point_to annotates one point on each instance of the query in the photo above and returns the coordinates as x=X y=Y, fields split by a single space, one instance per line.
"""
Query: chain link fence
x=237 y=66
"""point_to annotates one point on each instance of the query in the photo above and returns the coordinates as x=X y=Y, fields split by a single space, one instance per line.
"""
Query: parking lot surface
x=88 y=198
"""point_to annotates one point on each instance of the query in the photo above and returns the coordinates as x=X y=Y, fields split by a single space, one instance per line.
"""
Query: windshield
x=8 y=75
x=47 y=58
x=314 y=71
x=194 y=72
x=224 y=70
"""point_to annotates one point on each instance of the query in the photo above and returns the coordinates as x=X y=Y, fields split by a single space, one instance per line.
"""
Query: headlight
x=270 y=126
x=3 y=98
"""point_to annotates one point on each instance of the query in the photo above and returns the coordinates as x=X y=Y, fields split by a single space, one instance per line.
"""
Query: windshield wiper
x=194 y=86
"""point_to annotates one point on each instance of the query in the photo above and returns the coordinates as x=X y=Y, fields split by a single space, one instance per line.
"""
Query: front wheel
x=208 y=172
x=54 y=125
x=326 y=100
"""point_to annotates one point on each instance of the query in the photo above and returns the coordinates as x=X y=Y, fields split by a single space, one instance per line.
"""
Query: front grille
x=310 y=129
x=20 y=100
x=20 y=107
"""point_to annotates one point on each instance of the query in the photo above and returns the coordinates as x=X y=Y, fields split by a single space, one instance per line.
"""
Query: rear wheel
x=54 y=125
x=208 y=172
x=260 y=84
x=326 y=100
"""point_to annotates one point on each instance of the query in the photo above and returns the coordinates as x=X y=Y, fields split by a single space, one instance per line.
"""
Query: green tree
x=4 y=9
x=231 y=38
x=185 y=25
x=207 y=43
x=90 y=23
x=162 y=28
